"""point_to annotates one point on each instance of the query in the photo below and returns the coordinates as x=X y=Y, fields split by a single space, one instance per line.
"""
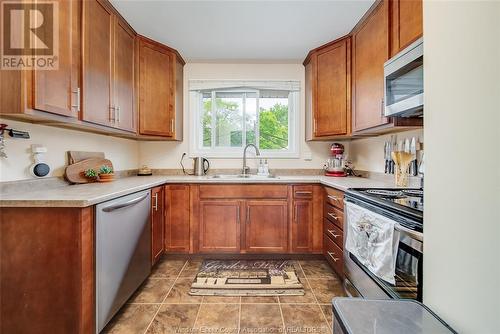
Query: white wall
x=122 y=152
x=462 y=189
x=167 y=155
x=368 y=153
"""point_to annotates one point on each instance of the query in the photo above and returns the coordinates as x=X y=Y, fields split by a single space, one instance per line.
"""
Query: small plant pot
x=90 y=178
x=106 y=177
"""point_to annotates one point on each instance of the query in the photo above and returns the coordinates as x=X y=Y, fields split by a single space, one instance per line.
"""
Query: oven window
x=408 y=267
x=405 y=83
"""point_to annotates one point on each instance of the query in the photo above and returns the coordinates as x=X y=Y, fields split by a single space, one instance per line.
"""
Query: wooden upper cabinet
x=266 y=226
x=370 y=52
x=406 y=23
x=219 y=229
x=97 y=61
x=157 y=223
x=58 y=91
x=108 y=67
x=328 y=98
x=160 y=94
x=123 y=75
x=177 y=225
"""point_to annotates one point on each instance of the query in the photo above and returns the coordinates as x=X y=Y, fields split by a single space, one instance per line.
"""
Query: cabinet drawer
x=243 y=191
x=304 y=191
x=335 y=197
x=333 y=255
x=334 y=233
x=334 y=215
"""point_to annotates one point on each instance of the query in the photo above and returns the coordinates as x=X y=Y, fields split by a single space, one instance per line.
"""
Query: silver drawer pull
x=332 y=256
x=303 y=193
x=155 y=206
x=334 y=198
x=333 y=234
x=333 y=216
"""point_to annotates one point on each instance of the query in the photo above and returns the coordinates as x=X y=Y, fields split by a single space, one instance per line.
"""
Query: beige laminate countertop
x=84 y=195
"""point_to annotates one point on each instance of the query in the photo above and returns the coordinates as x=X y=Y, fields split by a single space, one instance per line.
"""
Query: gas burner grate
x=414 y=192
x=385 y=193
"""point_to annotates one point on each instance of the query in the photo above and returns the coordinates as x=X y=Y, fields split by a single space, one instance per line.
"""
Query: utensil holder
x=401 y=175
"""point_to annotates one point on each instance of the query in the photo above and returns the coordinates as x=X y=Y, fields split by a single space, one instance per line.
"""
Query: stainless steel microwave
x=404 y=82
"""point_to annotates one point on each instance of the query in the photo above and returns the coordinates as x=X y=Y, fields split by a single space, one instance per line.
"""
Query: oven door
x=408 y=274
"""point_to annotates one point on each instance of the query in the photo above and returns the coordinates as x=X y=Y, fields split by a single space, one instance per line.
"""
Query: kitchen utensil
x=74 y=172
x=77 y=156
x=406 y=147
x=402 y=160
x=201 y=166
x=393 y=148
x=413 y=151
x=386 y=165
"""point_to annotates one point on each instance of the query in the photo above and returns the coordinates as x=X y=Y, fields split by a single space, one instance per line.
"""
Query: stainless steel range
x=374 y=209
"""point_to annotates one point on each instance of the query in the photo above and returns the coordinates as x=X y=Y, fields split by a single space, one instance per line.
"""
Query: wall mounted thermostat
x=39 y=168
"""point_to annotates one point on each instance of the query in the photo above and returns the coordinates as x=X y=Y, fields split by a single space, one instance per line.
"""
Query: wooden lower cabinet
x=157 y=223
x=177 y=224
x=219 y=226
x=266 y=226
x=302 y=226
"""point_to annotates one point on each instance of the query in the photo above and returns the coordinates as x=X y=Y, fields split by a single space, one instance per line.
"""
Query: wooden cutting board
x=74 y=172
x=77 y=156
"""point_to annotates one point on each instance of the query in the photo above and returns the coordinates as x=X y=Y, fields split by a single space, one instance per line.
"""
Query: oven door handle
x=411 y=233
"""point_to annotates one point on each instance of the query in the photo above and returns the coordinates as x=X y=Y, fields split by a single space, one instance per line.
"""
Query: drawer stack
x=333 y=226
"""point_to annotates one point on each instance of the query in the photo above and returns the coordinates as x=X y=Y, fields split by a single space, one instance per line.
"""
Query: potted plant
x=90 y=174
x=106 y=174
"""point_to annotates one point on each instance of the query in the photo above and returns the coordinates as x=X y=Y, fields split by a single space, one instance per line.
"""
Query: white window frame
x=196 y=134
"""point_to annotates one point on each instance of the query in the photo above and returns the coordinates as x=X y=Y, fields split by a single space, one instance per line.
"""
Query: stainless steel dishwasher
x=123 y=251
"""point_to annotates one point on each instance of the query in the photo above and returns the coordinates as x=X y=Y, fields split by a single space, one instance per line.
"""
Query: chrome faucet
x=244 y=170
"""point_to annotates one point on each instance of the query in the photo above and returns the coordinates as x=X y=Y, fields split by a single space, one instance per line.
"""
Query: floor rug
x=246 y=278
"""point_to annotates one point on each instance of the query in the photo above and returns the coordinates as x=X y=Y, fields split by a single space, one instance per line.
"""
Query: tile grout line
x=239 y=317
x=198 y=313
x=317 y=302
x=282 y=318
x=163 y=300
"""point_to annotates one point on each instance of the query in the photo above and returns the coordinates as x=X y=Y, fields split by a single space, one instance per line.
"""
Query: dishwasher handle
x=124 y=204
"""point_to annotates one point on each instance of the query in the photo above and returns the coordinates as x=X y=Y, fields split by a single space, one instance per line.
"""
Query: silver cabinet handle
x=303 y=193
x=333 y=216
x=125 y=204
x=77 y=105
x=333 y=198
x=155 y=206
x=112 y=114
x=332 y=256
x=382 y=109
x=118 y=114
x=172 y=125
x=333 y=234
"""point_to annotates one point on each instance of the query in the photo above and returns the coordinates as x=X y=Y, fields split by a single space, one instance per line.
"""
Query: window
x=228 y=118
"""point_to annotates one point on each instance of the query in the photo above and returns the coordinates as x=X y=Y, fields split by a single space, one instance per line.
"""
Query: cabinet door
x=370 y=51
x=57 y=91
x=97 y=23
x=302 y=226
x=406 y=22
x=177 y=229
x=331 y=116
x=156 y=90
x=219 y=229
x=157 y=224
x=266 y=226
x=123 y=76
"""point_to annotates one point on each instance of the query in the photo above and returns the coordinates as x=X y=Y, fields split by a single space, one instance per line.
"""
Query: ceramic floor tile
x=326 y=288
x=304 y=319
x=174 y=318
x=212 y=318
x=132 y=319
x=298 y=269
x=260 y=318
x=307 y=298
x=259 y=300
x=221 y=300
x=179 y=294
x=328 y=312
x=167 y=268
x=191 y=268
x=152 y=291
x=317 y=269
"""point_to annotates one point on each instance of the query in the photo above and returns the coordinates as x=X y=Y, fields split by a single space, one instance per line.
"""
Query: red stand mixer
x=334 y=166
